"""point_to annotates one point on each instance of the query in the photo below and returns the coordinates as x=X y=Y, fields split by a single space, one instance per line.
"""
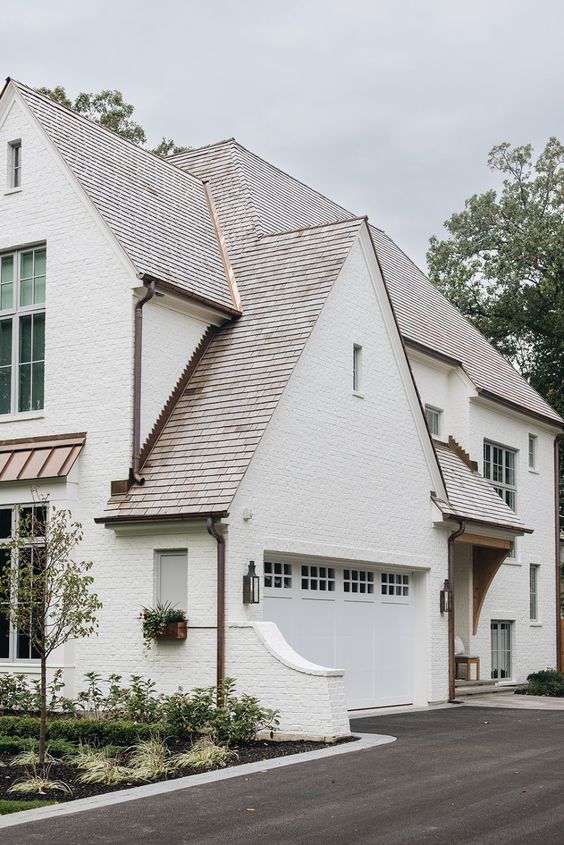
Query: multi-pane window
x=534 y=592
x=321 y=578
x=394 y=584
x=16 y=644
x=14 y=164
x=433 y=417
x=357 y=368
x=22 y=330
x=499 y=468
x=358 y=581
x=532 y=451
x=278 y=575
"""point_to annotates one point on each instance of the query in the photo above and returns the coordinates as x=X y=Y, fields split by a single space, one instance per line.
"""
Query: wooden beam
x=485 y=564
x=485 y=542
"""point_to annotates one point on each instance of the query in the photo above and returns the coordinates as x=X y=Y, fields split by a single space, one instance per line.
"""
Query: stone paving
x=519 y=702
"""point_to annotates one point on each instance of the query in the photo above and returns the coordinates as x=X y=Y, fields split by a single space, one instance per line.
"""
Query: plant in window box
x=163 y=622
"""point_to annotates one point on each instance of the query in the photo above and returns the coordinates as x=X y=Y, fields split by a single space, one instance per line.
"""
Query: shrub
x=237 y=720
x=150 y=759
x=546 y=682
x=99 y=732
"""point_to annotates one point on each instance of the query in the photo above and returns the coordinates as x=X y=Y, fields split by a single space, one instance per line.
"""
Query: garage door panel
x=317 y=630
x=359 y=620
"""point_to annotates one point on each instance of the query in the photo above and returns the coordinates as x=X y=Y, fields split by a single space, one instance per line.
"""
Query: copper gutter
x=220 y=641
x=451 y=661
x=557 y=549
x=137 y=360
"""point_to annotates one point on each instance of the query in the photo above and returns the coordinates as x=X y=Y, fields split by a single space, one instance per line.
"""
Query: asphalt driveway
x=459 y=775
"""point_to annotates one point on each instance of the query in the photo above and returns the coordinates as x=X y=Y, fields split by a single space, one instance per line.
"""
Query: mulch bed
x=248 y=753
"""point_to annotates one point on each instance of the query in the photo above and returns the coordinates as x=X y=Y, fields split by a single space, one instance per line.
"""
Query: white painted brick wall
x=341 y=476
x=471 y=421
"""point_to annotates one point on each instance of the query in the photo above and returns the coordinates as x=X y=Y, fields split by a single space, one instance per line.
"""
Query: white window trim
x=14 y=313
x=13 y=659
x=357 y=381
x=15 y=144
x=535 y=441
x=501 y=485
x=534 y=620
x=439 y=413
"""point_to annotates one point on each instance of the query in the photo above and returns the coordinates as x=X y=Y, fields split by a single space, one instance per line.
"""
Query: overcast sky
x=388 y=107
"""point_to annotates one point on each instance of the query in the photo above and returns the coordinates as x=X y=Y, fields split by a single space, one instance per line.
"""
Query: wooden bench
x=464 y=660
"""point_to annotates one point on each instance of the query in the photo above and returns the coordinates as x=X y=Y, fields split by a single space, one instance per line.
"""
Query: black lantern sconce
x=251 y=585
x=446 y=598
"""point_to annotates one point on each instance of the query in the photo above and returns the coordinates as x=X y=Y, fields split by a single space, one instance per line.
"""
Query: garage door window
x=358 y=581
x=393 y=584
x=320 y=578
x=278 y=575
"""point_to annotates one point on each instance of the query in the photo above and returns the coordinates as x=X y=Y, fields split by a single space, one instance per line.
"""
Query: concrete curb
x=363 y=742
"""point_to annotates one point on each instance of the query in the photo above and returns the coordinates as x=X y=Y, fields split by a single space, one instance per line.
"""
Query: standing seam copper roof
x=157 y=212
x=41 y=457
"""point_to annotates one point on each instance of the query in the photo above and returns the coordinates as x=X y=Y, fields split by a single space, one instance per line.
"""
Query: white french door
x=501 y=650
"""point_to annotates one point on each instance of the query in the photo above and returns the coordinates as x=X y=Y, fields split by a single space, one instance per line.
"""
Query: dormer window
x=14 y=165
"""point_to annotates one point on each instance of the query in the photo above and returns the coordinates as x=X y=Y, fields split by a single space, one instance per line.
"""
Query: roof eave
x=124 y=519
x=502 y=526
x=555 y=422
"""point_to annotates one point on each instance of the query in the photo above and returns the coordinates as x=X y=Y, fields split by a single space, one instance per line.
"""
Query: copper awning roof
x=39 y=457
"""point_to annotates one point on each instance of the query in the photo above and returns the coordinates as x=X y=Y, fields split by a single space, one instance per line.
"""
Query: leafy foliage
x=38 y=784
x=155 y=619
x=99 y=766
x=150 y=759
x=503 y=264
x=109 y=109
x=204 y=754
x=546 y=682
x=99 y=732
x=47 y=594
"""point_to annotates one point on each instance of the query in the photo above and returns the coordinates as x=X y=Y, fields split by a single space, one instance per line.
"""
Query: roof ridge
x=356 y=218
x=256 y=222
x=289 y=175
x=203 y=147
x=99 y=126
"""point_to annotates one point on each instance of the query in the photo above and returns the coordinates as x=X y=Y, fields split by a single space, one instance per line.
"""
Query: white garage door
x=359 y=620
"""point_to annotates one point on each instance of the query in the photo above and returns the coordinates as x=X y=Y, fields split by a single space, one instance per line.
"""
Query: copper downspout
x=557 y=549
x=220 y=643
x=451 y=661
x=137 y=357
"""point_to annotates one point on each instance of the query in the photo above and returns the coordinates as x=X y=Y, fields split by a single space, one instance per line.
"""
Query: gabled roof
x=212 y=434
x=158 y=213
x=253 y=196
x=471 y=496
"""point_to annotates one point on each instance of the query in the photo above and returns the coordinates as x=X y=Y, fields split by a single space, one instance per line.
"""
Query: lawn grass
x=8 y=806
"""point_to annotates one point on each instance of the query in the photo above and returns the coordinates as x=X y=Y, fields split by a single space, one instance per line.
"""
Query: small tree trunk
x=43 y=710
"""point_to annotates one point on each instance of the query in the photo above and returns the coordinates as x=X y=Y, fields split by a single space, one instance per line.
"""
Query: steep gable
x=211 y=435
x=158 y=214
x=279 y=202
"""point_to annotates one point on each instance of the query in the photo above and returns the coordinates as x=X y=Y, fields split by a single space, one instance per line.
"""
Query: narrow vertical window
x=14 y=164
x=534 y=592
x=172 y=579
x=532 y=451
x=499 y=469
x=357 y=368
x=433 y=417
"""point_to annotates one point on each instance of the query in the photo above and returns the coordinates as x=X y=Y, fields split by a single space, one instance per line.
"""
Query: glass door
x=501 y=650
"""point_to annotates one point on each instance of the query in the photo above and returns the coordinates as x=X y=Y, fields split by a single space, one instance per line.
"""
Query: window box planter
x=173 y=631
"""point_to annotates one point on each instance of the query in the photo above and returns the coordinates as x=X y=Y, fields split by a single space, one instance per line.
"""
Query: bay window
x=22 y=330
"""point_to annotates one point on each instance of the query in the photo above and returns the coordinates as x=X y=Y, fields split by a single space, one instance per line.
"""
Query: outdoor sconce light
x=446 y=598
x=251 y=585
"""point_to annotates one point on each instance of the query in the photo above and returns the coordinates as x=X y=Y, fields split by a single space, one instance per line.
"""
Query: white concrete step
x=484 y=688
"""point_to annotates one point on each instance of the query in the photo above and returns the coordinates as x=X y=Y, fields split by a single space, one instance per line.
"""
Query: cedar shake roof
x=253 y=196
x=211 y=435
x=471 y=496
x=157 y=212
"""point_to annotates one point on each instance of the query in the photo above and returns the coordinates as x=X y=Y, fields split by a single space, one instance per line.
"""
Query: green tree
x=109 y=109
x=503 y=263
x=44 y=592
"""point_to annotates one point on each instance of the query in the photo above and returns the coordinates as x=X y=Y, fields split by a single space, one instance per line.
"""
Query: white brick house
x=301 y=397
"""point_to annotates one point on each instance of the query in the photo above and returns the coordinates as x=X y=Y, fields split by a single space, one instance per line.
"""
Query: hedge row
x=57 y=747
x=93 y=732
